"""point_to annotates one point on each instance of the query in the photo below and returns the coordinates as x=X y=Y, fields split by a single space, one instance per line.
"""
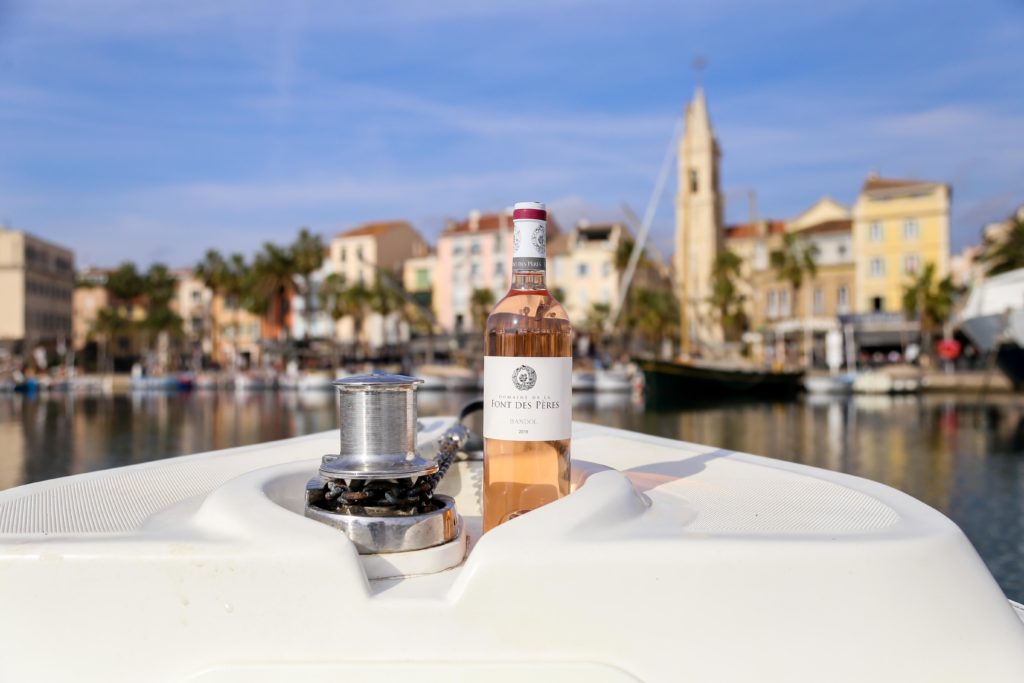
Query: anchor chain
x=389 y=497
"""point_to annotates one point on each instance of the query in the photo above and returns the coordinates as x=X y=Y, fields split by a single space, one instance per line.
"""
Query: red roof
x=747 y=230
x=375 y=228
x=874 y=183
x=487 y=222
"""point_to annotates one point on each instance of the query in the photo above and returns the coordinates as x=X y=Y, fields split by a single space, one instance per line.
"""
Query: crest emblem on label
x=524 y=378
x=539 y=238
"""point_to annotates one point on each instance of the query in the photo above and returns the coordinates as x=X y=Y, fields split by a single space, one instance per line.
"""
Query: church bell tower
x=699 y=231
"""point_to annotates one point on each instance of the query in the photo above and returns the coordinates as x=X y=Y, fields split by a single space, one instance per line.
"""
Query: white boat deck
x=670 y=561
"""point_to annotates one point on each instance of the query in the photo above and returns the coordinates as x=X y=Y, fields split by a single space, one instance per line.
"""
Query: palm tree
x=654 y=314
x=385 y=299
x=931 y=302
x=342 y=301
x=271 y=281
x=214 y=272
x=593 y=324
x=159 y=286
x=109 y=325
x=125 y=283
x=794 y=261
x=1005 y=253
x=307 y=255
x=726 y=300
x=480 y=304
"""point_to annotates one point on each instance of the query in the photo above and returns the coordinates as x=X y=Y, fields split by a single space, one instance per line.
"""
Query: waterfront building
x=37 y=279
x=89 y=298
x=239 y=334
x=472 y=254
x=363 y=254
x=584 y=268
x=899 y=226
x=418 y=279
x=699 y=226
x=193 y=302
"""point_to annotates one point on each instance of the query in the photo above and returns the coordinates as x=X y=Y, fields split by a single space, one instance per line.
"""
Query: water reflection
x=962 y=456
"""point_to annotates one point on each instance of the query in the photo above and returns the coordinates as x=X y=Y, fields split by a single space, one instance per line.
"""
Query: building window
x=499 y=268
x=422 y=278
x=606 y=269
x=474 y=271
x=584 y=299
x=581 y=270
x=457 y=250
x=693 y=180
x=341 y=254
x=784 y=303
x=474 y=248
x=911 y=229
x=819 y=301
x=841 y=251
x=911 y=264
x=878 y=304
x=843 y=300
x=877 y=267
x=359 y=254
x=772 y=305
x=875 y=232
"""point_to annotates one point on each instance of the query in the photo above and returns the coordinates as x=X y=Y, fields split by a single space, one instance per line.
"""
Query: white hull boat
x=829 y=384
x=994 y=311
x=620 y=380
x=669 y=562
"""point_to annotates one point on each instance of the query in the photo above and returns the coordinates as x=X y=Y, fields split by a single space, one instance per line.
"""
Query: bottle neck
x=528 y=280
x=529 y=254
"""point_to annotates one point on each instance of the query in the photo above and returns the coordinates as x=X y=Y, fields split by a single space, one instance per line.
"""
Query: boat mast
x=645 y=226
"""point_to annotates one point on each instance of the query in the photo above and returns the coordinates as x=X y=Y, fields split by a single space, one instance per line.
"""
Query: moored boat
x=672 y=381
x=993 y=319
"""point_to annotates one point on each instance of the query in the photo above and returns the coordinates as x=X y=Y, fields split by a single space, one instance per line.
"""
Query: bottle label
x=527 y=398
x=529 y=245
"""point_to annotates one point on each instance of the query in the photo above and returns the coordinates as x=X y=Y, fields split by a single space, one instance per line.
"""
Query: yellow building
x=238 y=334
x=37 y=279
x=899 y=226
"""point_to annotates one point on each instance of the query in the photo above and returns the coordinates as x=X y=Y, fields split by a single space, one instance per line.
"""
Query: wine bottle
x=527 y=383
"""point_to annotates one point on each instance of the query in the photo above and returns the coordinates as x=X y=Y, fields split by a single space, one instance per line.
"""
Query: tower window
x=693 y=180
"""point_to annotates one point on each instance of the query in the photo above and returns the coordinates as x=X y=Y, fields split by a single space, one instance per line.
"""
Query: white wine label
x=529 y=244
x=527 y=398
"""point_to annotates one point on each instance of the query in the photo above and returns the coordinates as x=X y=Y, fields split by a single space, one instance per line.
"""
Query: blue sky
x=151 y=131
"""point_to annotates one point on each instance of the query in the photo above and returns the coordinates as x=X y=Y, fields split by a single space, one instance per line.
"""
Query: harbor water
x=960 y=454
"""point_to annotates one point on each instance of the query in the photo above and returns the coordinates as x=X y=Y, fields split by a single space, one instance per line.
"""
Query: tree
x=109 y=325
x=654 y=314
x=726 y=300
x=1005 y=253
x=307 y=255
x=480 y=304
x=385 y=299
x=342 y=301
x=125 y=283
x=594 y=323
x=270 y=283
x=214 y=272
x=794 y=261
x=161 y=321
x=931 y=302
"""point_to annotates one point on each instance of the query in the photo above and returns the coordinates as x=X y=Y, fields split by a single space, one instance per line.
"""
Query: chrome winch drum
x=378 y=489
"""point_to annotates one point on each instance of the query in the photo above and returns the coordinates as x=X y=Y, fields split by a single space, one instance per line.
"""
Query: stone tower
x=699 y=230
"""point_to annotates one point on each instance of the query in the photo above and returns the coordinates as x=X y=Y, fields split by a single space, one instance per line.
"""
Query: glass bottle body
x=523 y=475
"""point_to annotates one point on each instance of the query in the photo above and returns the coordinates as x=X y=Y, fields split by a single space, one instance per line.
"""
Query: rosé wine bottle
x=527 y=383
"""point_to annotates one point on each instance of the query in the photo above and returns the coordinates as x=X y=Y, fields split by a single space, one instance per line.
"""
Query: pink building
x=473 y=254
